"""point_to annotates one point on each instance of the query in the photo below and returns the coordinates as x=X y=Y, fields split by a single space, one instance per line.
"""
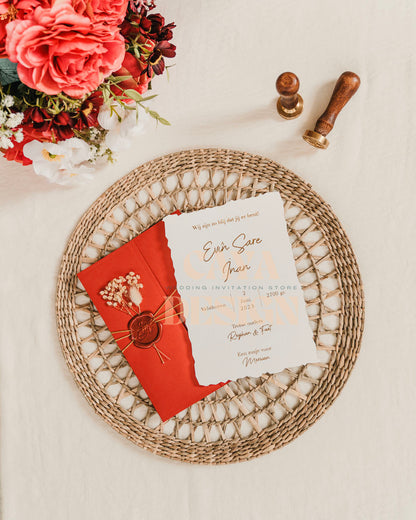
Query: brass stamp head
x=290 y=113
x=315 y=139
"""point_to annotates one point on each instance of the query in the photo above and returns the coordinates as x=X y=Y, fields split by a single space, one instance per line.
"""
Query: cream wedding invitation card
x=244 y=306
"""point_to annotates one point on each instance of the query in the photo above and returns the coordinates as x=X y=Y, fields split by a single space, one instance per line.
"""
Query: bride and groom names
x=239 y=245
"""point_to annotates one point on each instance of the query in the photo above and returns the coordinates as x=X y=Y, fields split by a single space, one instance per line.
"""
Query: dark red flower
x=156 y=23
x=44 y=126
x=158 y=30
x=137 y=5
x=62 y=126
x=166 y=32
x=148 y=34
x=150 y=26
x=135 y=24
x=89 y=111
x=38 y=119
x=156 y=61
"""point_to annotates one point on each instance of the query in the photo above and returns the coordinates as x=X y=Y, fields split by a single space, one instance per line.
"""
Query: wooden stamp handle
x=346 y=86
x=287 y=85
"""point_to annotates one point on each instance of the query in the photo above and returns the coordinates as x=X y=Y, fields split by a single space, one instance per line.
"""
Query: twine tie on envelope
x=144 y=328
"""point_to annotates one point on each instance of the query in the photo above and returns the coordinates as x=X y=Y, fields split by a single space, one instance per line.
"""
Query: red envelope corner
x=171 y=386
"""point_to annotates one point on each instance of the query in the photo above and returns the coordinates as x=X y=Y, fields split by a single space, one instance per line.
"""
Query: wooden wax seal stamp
x=346 y=86
x=290 y=103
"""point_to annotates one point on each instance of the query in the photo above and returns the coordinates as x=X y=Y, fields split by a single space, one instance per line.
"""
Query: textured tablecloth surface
x=58 y=460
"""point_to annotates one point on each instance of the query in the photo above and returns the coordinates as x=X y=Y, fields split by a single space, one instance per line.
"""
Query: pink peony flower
x=11 y=9
x=25 y=7
x=3 y=35
x=59 y=50
x=4 y=9
x=109 y=11
x=4 y=20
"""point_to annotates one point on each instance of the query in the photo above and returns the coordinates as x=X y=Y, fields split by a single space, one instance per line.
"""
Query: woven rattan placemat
x=248 y=417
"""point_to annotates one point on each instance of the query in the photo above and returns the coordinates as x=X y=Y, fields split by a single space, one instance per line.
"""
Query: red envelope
x=166 y=369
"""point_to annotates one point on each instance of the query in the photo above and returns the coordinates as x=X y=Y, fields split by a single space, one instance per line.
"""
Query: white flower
x=65 y=162
x=18 y=135
x=110 y=116
x=3 y=117
x=5 y=142
x=123 y=125
x=101 y=150
x=6 y=132
x=14 y=119
x=97 y=151
x=78 y=150
x=94 y=133
x=8 y=101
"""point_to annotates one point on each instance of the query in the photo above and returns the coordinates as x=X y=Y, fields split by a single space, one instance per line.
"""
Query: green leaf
x=119 y=79
x=156 y=116
x=8 y=72
x=132 y=94
x=149 y=97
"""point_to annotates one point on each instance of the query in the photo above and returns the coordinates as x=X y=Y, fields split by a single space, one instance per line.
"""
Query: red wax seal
x=144 y=330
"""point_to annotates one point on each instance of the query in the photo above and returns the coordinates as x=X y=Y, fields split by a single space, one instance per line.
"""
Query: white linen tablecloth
x=60 y=461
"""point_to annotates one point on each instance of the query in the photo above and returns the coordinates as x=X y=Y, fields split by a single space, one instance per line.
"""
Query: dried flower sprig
x=123 y=293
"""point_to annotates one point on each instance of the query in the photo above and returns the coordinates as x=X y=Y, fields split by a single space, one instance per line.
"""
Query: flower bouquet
x=73 y=80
